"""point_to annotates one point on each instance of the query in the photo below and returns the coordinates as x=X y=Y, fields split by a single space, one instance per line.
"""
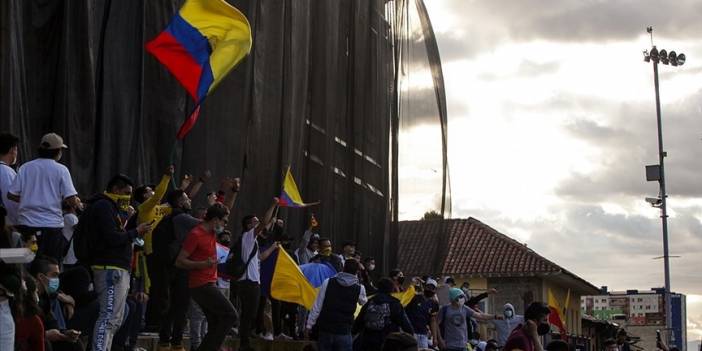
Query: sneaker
x=282 y=336
x=267 y=336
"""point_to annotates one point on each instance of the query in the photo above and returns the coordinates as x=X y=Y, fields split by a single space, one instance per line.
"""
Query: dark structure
x=318 y=92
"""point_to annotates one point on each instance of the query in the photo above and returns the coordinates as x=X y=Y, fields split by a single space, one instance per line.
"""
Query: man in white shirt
x=248 y=287
x=40 y=187
x=8 y=157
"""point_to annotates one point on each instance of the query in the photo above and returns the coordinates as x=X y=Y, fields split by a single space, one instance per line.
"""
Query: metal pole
x=664 y=213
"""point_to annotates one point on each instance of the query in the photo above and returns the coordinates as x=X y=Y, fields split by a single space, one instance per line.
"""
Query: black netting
x=315 y=93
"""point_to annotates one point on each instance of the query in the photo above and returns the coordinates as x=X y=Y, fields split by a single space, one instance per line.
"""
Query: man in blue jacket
x=111 y=257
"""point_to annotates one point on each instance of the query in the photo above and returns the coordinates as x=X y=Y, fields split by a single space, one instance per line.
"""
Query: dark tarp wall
x=316 y=93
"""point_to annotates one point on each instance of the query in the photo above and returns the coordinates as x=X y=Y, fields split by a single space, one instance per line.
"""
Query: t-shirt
x=518 y=340
x=69 y=222
x=42 y=184
x=248 y=243
x=419 y=311
x=152 y=210
x=454 y=324
x=200 y=243
x=7 y=177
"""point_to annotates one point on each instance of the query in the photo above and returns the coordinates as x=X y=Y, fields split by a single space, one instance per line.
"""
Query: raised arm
x=195 y=189
x=160 y=190
x=267 y=217
x=230 y=187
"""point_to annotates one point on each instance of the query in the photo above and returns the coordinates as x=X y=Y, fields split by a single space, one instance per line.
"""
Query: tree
x=432 y=215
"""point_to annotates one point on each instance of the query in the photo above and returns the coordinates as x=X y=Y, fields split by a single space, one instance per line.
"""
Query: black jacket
x=112 y=245
x=395 y=320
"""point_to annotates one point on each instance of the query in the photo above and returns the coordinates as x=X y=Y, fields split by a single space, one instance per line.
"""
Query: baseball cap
x=52 y=141
x=432 y=282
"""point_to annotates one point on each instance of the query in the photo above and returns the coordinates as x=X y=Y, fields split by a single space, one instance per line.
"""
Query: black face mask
x=543 y=329
x=429 y=293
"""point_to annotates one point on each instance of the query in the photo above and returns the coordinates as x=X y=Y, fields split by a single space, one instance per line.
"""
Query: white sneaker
x=267 y=336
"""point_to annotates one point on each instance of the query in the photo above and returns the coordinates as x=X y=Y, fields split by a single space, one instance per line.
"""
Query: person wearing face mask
x=70 y=220
x=422 y=312
x=505 y=326
x=39 y=189
x=453 y=321
x=527 y=336
x=45 y=270
x=327 y=256
x=111 y=257
x=368 y=267
x=398 y=278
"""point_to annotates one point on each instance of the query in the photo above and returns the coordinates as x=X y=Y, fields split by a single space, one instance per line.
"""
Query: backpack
x=236 y=267
x=377 y=316
x=83 y=242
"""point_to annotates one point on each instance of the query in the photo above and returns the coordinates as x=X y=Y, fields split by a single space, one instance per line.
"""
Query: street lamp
x=657 y=172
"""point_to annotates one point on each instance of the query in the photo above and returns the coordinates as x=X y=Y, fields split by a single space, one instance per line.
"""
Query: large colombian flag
x=205 y=40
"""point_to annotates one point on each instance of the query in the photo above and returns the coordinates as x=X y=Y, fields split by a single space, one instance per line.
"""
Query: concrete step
x=149 y=341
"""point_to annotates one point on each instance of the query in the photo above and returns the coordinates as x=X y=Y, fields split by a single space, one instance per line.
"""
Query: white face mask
x=509 y=313
x=371 y=267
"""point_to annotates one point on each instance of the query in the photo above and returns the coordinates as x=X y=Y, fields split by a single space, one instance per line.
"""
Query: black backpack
x=83 y=242
x=235 y=267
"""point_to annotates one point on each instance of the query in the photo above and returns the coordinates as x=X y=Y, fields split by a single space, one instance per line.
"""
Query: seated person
x=55 y=306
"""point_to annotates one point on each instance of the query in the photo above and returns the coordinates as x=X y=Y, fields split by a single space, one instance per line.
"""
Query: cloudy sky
x=551 y=121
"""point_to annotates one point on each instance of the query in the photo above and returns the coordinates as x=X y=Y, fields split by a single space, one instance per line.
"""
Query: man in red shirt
x=527 y=336
x=199 y=256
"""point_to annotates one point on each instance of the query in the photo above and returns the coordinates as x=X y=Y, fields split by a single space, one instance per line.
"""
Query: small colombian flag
x=290 y=196
x=205 y=40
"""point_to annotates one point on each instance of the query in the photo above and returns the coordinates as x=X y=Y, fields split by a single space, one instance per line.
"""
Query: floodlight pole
x=664 y=200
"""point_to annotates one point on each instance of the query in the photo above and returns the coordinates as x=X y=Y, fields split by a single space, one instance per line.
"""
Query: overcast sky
x=551 y=122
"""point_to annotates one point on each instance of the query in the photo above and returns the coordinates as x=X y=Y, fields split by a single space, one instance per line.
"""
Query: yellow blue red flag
x=205 y=40
x=290 y=196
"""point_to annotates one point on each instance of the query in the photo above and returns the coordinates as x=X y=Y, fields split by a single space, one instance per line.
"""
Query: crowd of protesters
x=140 y=259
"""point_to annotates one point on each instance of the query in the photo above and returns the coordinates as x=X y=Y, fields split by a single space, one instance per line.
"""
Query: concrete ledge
x=150 y=343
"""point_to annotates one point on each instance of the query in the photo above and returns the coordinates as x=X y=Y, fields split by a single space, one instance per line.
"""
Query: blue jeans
x=112 y=286
x=7 y=327
x=422 y=341
x=334 y=342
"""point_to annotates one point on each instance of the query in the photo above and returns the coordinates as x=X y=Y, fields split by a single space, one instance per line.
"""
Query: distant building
x=641 y=312
x=469 y=250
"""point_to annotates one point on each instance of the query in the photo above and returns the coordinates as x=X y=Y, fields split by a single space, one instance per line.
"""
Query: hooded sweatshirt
x=343 y=283
x=505 y=326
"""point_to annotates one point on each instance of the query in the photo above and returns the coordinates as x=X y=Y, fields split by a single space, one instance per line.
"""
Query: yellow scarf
x=122 y=201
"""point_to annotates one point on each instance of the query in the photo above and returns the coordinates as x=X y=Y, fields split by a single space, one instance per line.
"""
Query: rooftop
x=468 y=247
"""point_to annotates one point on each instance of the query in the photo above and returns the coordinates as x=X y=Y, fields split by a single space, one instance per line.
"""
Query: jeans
x=422 y=341
x=112 y=286
x=249 y=294
x=177 y=302
x=198 y=325
x=334 y=342
x=7 y=327
x=220 y=314
x=51 y=241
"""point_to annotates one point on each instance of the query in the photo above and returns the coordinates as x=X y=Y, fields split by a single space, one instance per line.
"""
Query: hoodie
x=504 y=327
x=346 y=280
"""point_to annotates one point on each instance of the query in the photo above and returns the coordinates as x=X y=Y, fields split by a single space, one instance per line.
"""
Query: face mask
x=122 y=201
x=509 y=314
x=543 y=329
x=326 y=251
x=218 y=229
x=371 y=267
x=400 y=280
x=53 y=285
x=461 y=301
x=429 y=293
x=34 y=247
